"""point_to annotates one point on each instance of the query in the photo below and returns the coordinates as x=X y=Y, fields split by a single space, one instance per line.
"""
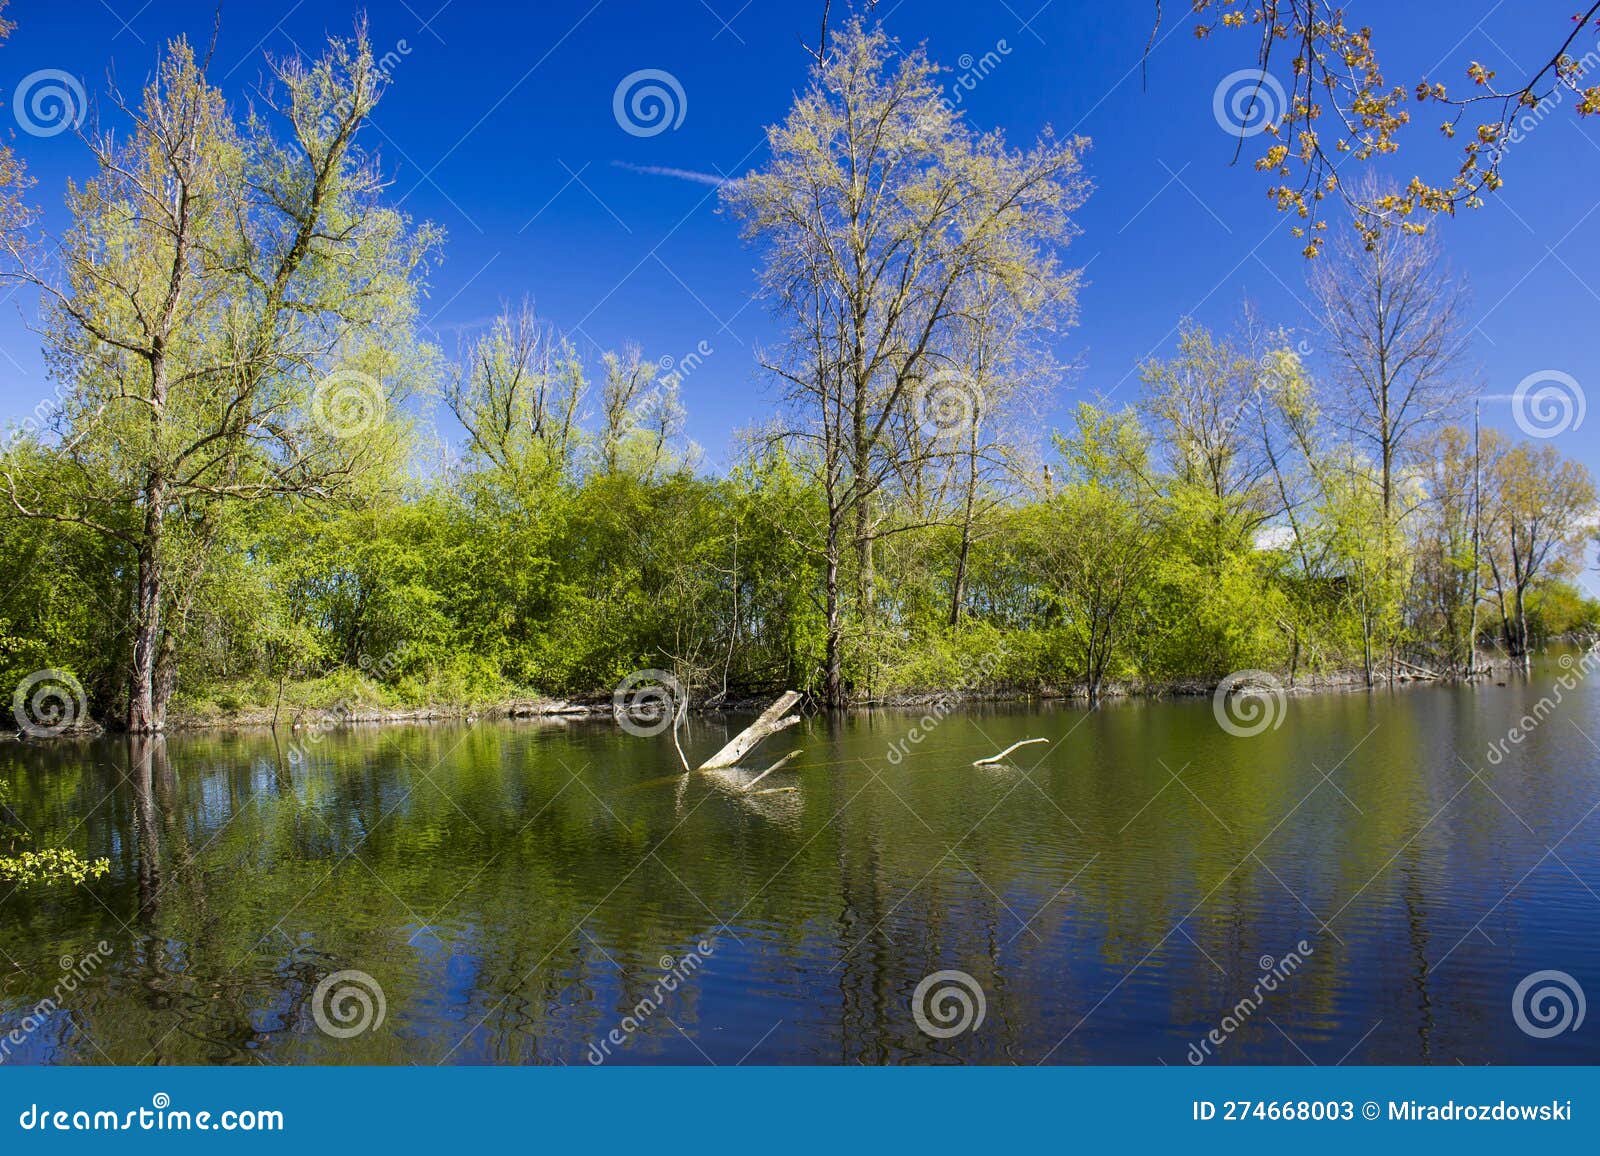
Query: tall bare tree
x=518 y=391
x=877 y=205
x=1393 y=318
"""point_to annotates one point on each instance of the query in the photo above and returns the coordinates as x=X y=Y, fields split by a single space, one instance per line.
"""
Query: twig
x=1000 y=758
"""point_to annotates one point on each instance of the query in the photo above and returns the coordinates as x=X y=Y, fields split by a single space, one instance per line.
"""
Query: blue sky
x=499 y=125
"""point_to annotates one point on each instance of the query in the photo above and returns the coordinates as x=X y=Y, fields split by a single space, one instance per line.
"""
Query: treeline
x=236 y=497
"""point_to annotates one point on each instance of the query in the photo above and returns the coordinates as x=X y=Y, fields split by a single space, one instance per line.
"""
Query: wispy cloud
x=698 y=178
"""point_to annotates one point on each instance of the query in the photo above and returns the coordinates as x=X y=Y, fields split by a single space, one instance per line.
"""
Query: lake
x=1367 y=881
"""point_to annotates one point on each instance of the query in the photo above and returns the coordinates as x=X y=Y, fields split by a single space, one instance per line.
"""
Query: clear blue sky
x=499 y=126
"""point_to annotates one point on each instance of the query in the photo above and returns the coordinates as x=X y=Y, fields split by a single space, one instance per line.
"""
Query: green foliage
x=227 y=504
x=46 y=865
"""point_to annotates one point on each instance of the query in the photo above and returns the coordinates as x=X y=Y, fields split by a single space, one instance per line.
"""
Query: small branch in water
x=791 y=755
x=1001 y=757
x=677 y=721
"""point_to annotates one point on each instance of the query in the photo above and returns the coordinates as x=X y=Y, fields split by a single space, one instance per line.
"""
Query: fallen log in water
x=1001 y=757
x=771 y=721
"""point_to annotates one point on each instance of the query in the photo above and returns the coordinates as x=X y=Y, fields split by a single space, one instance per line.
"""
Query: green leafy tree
x=229 y=325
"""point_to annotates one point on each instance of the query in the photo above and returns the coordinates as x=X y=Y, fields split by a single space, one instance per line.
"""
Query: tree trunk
x=144 y=716
x=958 y=588
x=1521 y=610
x=771 y=721
x=834 y=684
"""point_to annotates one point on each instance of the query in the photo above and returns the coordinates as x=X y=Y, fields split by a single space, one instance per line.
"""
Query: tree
x=996 y=354
x=1100 y=538
x=518 y=391
x=1199 y=404
x=641 y=415
x=1536 y=523
x=1447 y=539
x=1393 y=316
x=876 y=206
x=229 y=323
x=1339 y=105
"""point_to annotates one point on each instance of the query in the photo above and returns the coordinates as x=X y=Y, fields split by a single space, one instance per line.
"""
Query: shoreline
x=590 y=708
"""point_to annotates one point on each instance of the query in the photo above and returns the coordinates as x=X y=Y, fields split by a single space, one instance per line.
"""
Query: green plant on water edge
x=50 y=865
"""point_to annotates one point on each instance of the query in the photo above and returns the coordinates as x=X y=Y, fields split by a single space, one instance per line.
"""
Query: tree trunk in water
x=1521 y=651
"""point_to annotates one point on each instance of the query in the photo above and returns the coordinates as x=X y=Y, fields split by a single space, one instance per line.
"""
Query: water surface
x=517 y=889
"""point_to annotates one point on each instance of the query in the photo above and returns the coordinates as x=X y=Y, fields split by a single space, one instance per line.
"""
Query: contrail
x=711 y=179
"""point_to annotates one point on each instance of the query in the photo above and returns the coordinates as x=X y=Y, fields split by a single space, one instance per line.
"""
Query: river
x=1367 y=880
